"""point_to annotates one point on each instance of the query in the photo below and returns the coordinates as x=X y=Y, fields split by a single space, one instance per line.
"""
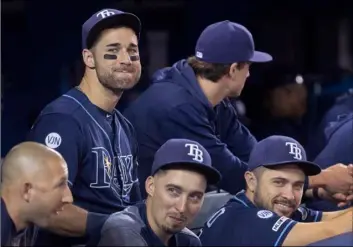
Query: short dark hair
x=210 y=71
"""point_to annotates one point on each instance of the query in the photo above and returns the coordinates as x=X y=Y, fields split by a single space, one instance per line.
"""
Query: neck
x=162 y=235
x=13 y=209
x=212 y=90
x=250 y=196
x=99 y=95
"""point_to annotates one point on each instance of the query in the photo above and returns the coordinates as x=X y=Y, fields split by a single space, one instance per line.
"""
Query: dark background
x=41 y=43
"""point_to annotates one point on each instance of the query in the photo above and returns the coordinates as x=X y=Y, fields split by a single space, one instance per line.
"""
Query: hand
x=339 y=179
x=339 y=198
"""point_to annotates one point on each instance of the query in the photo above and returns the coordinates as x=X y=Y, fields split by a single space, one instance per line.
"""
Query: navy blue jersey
x=174 y=106
x=99 y=148
x=339 y=143
x=241 y=223
x=9 y=234
x=338 y=149
x=345 y=239
x=131 y=228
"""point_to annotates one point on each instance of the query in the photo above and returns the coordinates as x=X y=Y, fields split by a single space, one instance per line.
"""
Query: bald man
x=34 y=187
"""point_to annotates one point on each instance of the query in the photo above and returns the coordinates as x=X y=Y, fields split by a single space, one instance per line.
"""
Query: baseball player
x=180 y=172
x=339 y=149
x=34 y=187
x=190 y=100
x=268 y=212
x=96 y=141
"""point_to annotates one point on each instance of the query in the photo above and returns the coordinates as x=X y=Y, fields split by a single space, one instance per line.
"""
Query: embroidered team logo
x=108 y=166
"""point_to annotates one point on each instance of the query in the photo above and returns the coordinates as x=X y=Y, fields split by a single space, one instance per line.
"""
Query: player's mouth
x=177 y=219
x=283 y=208
x=59 y=210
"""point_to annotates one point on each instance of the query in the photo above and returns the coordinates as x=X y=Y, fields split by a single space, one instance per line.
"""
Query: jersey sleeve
x=263 y=228
x=304 y=214
x=245 y=227
x=62 y=133
x=121 y=236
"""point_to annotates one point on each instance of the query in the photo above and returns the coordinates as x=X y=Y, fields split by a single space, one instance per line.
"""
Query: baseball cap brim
x=260 y=57
x=212 y=175
x=122 y=19
x=309 y=168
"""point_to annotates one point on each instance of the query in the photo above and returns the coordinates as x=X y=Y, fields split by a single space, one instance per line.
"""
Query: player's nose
x=181 y=204
x=67 y=197
x=124 y=57
x=288 y=193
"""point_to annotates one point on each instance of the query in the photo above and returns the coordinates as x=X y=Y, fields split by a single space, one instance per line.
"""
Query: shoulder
x=188 y=238
x=65 y=104
x=128 y=219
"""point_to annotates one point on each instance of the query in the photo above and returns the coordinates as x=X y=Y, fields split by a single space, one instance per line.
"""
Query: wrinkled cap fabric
x=188 y=153
x=107 y=18
x=228 y=42
x=280 y=150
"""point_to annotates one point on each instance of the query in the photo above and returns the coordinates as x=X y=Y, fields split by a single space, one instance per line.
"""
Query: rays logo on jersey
x=116 y=173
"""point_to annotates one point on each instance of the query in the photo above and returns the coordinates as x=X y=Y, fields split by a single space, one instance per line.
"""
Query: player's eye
x=195 y=198
x=114 y=50
x=278 y=183
x=298 y=186
x=173 y=191
x=133 y=51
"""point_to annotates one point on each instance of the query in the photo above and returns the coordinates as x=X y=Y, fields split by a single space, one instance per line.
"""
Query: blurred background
x=308 y=84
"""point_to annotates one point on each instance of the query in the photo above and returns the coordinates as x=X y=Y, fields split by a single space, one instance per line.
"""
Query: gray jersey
x=128 y=228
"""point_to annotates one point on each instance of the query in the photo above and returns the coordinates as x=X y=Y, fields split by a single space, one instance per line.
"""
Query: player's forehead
x=124 y=36
x=184 y=179
x=290 y=172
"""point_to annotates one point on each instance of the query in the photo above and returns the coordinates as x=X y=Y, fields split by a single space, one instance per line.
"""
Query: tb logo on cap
x=295 y=150
x=105 y=13
x=195 y=151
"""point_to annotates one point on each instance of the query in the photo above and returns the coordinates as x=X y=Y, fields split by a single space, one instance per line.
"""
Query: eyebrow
x=61 y=181
x=131 y=45
x=180 y=188
x=282 y=178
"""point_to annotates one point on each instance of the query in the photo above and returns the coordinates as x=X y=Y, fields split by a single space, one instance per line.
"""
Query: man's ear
x=88 y=58
x=26 y=191
x=150 y=185
x=233 y=69
x=251 y=180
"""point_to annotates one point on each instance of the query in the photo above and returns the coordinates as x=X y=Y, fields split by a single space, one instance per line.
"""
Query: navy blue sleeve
x=62 y=133
x=263 y=228
x=339 y=147
x=187 y=122
x=304 y=214
x=94 y=224
x=238 y=138
x=248 y=227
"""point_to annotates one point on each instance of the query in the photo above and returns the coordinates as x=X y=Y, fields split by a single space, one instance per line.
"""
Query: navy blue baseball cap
x=107 y=18
x=281 y=150
x=227 y=42
x=186 y=152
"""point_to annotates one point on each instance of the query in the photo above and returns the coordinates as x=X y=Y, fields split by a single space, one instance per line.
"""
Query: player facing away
x=268 y=212
x=96 y=141
x=34 y=187
x=190 y=100
x=176 y=187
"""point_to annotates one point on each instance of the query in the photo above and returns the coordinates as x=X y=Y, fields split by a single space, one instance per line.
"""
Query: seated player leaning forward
x=176 y=188
x=268 y=213
x=34 y=187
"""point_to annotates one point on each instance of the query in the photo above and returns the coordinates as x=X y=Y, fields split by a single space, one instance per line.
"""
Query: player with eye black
x=83 y=125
